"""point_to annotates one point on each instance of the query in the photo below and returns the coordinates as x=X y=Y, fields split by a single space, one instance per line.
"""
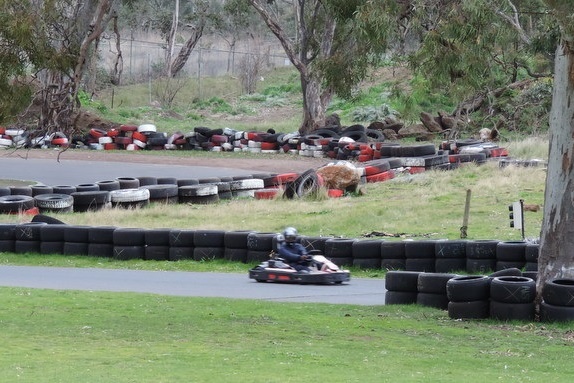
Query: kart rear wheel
x=261 y=280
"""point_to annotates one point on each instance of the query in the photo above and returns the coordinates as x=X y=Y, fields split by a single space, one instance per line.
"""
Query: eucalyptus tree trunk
x=557 y=236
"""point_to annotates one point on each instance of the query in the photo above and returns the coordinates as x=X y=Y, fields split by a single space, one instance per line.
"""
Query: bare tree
x=328 y=49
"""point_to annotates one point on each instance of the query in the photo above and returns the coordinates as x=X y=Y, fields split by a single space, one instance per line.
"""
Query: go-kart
x=320 y=271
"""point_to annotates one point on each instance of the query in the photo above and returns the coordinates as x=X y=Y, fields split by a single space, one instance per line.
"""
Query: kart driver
x=293 y=252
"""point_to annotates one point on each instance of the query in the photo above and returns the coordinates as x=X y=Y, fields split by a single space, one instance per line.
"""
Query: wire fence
x=145 y=59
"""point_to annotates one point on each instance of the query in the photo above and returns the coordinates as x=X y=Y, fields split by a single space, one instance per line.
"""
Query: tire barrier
x=503 y=295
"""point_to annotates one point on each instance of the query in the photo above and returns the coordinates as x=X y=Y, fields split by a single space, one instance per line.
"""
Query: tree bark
x=557 y=237
x=185 y=51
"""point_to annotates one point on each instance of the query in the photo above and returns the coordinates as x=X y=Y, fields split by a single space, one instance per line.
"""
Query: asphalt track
x=51 y=172
x=359 y=291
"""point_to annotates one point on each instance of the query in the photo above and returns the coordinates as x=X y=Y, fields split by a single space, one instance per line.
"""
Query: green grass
x=68 y=336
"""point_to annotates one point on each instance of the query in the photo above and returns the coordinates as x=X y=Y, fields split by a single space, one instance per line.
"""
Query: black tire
x=339 y=248
x=559 y=292
x=512 y=311
x=368 y=249
x=420 y=264
x=187 y=182
x=314 y=243
x=157 y=237
x=433 y=283
x=209 y=238
x=450 y=265
x=402 y=281
x=469 y=310
x=260 y=241
x=236 y=239
x=46 y=219
x=6 y=245
x=511 y=251
x=73 y=233
x=52 y=247
x=125 y=253
x=468 y=288
x=393 y=264
x=52 y=233
x=91 y=198
x=87 y=188
x=531 y=252
x=235 y=255
x=75 y=248
x=450 y=249
x=257 y=256
x=480 y=266
x=147 y=180
x=41 y=189
x=103 y=250
x=420 y=249
x=28 y=231
x=16 y=203
x=553 y=313
x=208 y=253
x=101 y=234
x=109 y=185
x=22 y=247
x=64 y=189
x=367 y=263
x=129 y=237
x=167 y=181
x=393 y=249
x=24 y=190
x=438 y=301
x=400 y=298
x=181 y=238
x=481 y=249
x=7 y=231
x=180 y=253
x=156 y=253
x=161 y=192
x=512 y=289
x=128 y=182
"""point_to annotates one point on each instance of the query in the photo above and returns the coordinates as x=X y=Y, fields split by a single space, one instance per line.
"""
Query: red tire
x=268 y=193
x=335 y=193
x=380 y=177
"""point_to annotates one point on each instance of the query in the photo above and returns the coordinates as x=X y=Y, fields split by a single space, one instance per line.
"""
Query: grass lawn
x=57 y=336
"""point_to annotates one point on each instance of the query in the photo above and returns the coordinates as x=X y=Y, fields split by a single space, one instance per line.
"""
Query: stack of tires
x=129 y=243
x=510 y=254
x=450 y=256
x=393 y=255
x=512 y=298
x=557 y=300
x=340 y=251
x=420 y=255
x=402 y=287
x=27 y=237
x=181 y=244
x=235 y=243
x=431 y=289
x=209 y=245
x=481 y=256
x=157 y=244
x=367 y=254
x=259 y=246
x=468 y=297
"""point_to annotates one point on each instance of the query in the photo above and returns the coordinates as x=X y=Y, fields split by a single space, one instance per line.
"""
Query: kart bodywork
x=321 y=271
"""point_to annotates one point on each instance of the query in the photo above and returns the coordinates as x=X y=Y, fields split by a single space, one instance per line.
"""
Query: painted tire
x=512 y=289
x=54 y=201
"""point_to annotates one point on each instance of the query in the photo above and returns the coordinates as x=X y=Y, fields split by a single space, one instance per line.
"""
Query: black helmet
x=290 y=234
